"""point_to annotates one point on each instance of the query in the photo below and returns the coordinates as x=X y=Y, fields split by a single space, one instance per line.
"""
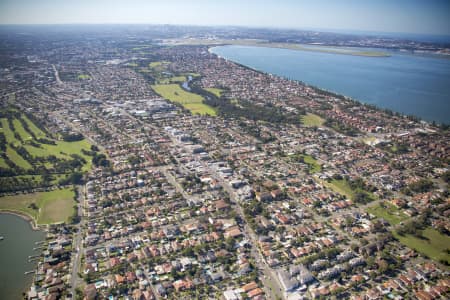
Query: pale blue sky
x=411 y=16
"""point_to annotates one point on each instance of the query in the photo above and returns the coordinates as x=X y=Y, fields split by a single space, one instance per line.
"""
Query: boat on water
x=1 y=238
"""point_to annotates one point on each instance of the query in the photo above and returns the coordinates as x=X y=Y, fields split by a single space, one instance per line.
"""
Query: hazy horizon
x=382 y=16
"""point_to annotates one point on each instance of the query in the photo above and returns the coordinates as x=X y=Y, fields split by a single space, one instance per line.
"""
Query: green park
x=32 y=157
x=312 y=120
x=217 y=92
x=427 y=241
x=190 y=101
x=43 y=208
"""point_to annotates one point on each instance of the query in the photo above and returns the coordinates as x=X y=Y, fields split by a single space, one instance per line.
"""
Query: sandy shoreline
x=341 y=50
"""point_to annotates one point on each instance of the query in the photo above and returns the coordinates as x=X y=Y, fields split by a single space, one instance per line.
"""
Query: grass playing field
x=342 y=187
x=217 y=92
x=3 y=163
x=29 y=149
x=388 y=212
x=24 y=135
x=37 y=132
x=191 y=101
x=175 y=79
x=17 y=159
x=433 y=244
x=312 y=163
x=311 y=120
x=8 y=132
x=52 y=207
x=83 y=77
x=62 y=149
x=157 y=64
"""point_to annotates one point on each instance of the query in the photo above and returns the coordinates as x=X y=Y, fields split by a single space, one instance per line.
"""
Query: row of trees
x=15 y=178
x=415 y=226
x=421 y=186
x=72 y=137
x=246 y=109
x=340 y=127
x=250 y=111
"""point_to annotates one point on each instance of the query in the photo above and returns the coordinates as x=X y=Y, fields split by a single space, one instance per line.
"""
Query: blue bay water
x=406 y=83
x=18 y=243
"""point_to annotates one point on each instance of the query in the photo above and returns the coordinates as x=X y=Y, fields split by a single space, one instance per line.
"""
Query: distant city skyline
x=400 y=16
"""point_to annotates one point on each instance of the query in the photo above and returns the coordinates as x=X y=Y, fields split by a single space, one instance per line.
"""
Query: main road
x=269 y=279
x=75 y=279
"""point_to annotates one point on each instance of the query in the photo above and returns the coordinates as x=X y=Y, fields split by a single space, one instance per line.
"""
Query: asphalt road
x=75 y=280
